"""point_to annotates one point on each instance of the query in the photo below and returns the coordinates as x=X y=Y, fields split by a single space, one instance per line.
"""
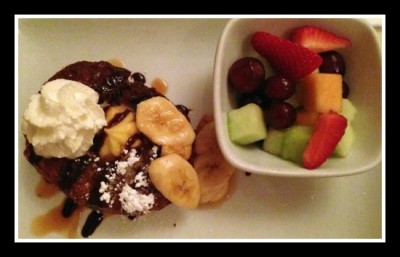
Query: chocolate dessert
x=108 y=179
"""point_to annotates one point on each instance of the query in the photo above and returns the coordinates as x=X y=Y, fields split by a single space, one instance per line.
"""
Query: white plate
x=182 y=52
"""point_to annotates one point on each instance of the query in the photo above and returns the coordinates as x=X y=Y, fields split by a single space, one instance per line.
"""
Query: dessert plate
x=181 y=51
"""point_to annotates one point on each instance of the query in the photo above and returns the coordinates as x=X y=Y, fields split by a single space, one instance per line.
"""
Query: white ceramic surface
x=182 y=52
x=363 y=74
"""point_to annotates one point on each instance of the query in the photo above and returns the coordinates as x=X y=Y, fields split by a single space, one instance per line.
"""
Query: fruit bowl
x=363 y=73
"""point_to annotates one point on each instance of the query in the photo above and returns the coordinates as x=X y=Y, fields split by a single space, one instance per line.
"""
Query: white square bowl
x=363 y=74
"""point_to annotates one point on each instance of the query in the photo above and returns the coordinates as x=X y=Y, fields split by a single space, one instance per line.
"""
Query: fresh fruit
x=345 y=89
x=176 y=179
x=319 y=40
x=294 y=142
x=306 y=118
x=246 y=74
x=287 y=58
x=333 y=62
x=214 y=175
x=348 y=110
x=344 y=146
x=206 y=140
x=117 y=135
x=213 y=170
x=328 y=131
x=295 y=100
x=280 y=115
x=185 y=151
x=163 y=123
x=278 y=88
x=255 y=97
x=273 y=143
x=204 y=120
x=246 y=124
x=305 y=85
x=322 y=92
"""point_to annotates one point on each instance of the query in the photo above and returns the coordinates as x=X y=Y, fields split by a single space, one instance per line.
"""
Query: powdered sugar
x=122 y=165
x=103 y=187
x=141 y=180
x=132 y=201
x=132 y=157
x=105 y=197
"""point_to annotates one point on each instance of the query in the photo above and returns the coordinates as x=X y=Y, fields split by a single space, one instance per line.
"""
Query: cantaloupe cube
x=322 y=92
x=306 y=118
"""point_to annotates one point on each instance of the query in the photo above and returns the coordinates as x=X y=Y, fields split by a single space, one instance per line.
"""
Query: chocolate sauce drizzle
x=92 y=222
x=117 y=118
x=68 y=208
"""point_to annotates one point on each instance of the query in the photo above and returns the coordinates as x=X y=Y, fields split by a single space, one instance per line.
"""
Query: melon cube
x=246 y=124
x=294 y=143
x=348 y=110
x=344 y=146
x=306 y=118
x=322 y=92
x=273 y=143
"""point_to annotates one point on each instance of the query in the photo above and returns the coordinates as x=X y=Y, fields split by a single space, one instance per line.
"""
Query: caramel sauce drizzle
x=53 y=222
x=160 y=85
x=46 y=190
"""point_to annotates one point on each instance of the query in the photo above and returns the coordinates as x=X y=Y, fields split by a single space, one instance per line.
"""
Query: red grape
x=278 y=88
x=246 y=74
x=256 y=97
x=333 y=62
x=280 y=115
x=345 y=89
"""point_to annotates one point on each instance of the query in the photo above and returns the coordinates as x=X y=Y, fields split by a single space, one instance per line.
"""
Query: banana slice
x=214 y=175
x=185 y=151
x=205 y=119
x=117 y=136
x=206 y=140
x=176 y=179
x=212 y=192
x=163 y=123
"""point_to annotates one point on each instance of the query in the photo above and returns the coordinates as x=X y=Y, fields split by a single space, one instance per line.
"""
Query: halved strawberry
x=319 y=40
x=286 y=57
x=329 y=129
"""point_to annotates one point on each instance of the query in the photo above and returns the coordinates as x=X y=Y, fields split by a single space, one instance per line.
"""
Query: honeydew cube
x=344 y=146
x=294 y=143
x=246 y=125
x=322 y=92
x=273 y=143
x=348 y=109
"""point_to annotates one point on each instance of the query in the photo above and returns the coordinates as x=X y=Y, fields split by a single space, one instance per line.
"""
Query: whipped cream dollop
x=63 y=119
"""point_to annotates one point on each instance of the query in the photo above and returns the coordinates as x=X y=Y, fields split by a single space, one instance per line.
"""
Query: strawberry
x=319 y=40
x=329 y=129
x=287 y=58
